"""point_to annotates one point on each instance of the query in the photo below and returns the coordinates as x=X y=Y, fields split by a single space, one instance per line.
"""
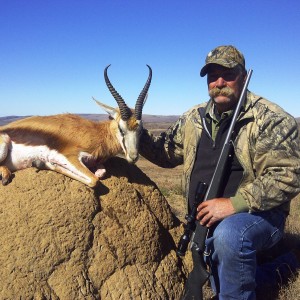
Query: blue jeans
x=233 y=248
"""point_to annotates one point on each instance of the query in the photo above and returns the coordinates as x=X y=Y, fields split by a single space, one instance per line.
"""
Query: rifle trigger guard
x=206 y=253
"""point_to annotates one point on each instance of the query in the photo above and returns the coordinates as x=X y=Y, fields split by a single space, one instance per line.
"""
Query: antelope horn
x=124 y=109
x=142 y=97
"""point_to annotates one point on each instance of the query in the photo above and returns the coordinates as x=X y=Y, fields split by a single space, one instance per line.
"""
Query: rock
x=62 y=240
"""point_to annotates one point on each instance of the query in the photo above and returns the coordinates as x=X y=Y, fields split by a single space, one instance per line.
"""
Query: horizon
x=53 y=54
x=100 y=117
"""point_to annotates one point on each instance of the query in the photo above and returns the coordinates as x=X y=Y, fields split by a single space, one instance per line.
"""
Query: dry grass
x=292 y=289
x=169 y=182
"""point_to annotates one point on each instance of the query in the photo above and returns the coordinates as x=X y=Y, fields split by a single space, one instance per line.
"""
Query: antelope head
x=129 y=121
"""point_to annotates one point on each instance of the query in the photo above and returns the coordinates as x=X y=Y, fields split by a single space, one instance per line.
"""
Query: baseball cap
x=226 y=56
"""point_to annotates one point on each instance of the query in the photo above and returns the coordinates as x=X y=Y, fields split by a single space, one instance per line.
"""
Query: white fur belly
x=23 y=156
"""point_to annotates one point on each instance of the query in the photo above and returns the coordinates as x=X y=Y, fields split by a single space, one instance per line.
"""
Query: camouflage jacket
x=267 y=146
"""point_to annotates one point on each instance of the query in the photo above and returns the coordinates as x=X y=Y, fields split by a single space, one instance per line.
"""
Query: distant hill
x=8 y=119
x=146 y=118
x=101 y=117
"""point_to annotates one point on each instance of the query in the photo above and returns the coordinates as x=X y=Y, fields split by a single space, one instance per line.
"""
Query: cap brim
x=204 y=70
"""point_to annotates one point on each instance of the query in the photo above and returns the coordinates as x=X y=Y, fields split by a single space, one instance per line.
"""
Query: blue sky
x=53 y=53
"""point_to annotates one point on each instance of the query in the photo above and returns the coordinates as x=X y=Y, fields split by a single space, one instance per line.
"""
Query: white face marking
x=129 y=140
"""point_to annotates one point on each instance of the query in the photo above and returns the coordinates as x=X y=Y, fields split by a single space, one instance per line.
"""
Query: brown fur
x=132 y=123
x=70 y=135
x=65 y=132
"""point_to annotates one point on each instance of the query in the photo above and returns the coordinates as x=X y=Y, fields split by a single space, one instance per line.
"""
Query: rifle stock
x=199 y=274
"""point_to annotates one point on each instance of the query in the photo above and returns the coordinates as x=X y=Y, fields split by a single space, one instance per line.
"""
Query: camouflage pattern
x=226 y=56
x=267 y=146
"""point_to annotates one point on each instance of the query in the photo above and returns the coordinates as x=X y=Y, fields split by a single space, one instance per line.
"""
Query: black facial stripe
x=121 y=131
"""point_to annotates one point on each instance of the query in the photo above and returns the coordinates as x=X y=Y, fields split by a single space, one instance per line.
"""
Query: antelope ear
x=110 y=110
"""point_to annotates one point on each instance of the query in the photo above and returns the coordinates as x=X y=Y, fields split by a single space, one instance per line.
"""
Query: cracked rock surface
x=62 y=240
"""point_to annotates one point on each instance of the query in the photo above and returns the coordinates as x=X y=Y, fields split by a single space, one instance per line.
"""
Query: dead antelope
x=71 y=145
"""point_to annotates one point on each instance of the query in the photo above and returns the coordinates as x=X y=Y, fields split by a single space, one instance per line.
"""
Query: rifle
x=190 y=226
x=199 y=274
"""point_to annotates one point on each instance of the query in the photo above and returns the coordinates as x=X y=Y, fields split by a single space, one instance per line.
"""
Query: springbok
x=71 y=145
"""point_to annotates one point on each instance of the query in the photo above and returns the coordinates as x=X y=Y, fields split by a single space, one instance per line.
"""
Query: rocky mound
x=62 y=240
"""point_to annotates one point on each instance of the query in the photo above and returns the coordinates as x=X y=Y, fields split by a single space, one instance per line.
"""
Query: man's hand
x=214 y=210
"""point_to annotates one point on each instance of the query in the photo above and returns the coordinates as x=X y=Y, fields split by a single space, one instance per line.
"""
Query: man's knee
x=231 y=237
x=227 y=239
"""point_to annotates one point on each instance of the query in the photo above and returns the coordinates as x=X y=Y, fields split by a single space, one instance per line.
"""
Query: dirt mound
x=62 y=240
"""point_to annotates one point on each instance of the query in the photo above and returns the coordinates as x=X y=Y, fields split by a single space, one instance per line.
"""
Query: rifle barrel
x=213 y=188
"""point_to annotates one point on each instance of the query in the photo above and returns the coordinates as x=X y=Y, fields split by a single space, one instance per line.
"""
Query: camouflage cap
x=226 y=56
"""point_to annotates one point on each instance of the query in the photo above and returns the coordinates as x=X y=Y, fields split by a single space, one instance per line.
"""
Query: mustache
x=225 y=91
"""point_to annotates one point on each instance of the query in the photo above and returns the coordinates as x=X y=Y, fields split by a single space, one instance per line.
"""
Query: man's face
x=225 y=86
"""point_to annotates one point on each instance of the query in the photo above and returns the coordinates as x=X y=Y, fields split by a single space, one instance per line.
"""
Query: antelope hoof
x=5 y=175
x=6 y=181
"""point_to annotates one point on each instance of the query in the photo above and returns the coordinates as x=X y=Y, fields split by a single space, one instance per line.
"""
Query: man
x=262 y=177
